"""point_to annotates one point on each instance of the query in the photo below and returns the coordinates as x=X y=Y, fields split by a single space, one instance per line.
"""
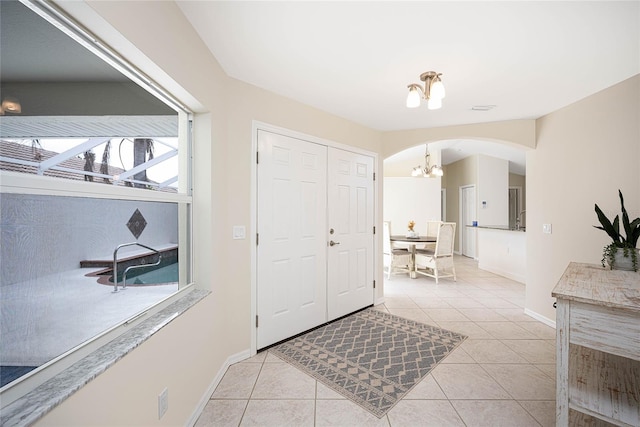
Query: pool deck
x=43 y=318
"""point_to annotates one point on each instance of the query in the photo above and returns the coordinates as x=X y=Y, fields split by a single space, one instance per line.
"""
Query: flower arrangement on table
x=411 y=233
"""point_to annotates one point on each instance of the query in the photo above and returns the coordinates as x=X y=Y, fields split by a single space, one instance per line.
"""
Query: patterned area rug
x=370 y=357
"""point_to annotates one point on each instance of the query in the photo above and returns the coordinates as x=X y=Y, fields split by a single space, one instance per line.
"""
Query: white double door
x=315 y=259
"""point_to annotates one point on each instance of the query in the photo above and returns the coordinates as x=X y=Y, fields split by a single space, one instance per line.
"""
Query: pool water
x=167 y=274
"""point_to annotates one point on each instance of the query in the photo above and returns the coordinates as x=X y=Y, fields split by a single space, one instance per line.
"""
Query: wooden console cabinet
x=598 y=346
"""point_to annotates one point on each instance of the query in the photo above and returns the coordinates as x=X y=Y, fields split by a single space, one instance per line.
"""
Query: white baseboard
x=379 y=301
x=504 y=273
x=475 y=258
x=235 y=358
x=540 y=318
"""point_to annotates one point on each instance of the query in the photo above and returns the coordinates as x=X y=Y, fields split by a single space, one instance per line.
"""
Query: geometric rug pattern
x=370 y=357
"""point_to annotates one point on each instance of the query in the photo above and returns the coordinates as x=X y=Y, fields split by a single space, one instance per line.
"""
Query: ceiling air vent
x=483 y=107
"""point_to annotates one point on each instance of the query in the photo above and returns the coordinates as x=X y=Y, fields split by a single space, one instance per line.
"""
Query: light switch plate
x=239 y=232
x=546 y=228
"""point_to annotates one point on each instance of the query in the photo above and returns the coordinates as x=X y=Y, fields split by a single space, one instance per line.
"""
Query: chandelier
x=428 y=171
x=433 y=91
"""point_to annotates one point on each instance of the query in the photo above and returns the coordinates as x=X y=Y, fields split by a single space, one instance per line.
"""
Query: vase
x=412 y=234
x=621 y=262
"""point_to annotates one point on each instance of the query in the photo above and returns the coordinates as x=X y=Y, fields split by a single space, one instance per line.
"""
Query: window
x=94 y=168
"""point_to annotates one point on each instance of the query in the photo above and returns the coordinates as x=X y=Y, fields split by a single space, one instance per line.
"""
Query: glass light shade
x=434 y=103
x=11 y=105
x=437 y=171
x=417 y=171
x=413 y=99
x=437 y=90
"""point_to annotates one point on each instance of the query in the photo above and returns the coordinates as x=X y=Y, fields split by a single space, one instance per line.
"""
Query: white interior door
x=292 y=245
x=468 y=215
x=350 y=259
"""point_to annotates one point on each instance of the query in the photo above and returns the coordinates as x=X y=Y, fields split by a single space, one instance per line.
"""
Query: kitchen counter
x=498 y=227
x=503 y=251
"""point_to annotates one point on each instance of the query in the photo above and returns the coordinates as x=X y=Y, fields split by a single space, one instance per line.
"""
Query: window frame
x=21 y=183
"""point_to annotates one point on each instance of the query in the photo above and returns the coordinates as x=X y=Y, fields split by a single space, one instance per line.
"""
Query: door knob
x=332 y=243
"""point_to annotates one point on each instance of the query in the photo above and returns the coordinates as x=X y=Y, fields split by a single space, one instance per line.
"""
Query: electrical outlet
x=546 y=228
x=163 y=402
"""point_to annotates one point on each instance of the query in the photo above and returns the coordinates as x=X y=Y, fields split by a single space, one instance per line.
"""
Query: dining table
x=412 y=242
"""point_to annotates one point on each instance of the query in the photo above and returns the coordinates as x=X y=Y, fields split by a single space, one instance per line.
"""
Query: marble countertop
x=37 y=403
x=498 y=227
x=594 y=284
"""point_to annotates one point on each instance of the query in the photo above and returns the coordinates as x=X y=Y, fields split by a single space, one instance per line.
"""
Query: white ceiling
x=355 y=58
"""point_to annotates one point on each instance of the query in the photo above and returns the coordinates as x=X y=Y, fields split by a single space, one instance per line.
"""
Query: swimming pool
x=165 y=274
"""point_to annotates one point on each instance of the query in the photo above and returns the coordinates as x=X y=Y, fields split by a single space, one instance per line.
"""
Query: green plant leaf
x=631 y=229
x=613 y=230
x=632 y=238
x=625 y=218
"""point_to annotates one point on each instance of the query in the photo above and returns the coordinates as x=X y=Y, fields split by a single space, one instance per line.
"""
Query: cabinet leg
x=562 y=363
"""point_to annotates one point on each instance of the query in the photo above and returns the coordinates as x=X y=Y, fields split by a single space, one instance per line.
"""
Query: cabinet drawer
x=610 y=330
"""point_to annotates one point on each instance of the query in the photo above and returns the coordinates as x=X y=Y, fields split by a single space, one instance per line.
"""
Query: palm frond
x=106 y=158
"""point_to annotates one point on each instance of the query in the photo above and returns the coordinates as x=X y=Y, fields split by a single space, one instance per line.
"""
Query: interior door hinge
x=257 y=157
x=374 y=229
x=257 y=238
x=374 y=284
x=256 y=320
x=374 y=176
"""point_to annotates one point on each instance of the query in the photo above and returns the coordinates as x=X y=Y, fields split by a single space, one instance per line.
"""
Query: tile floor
x=502 y=375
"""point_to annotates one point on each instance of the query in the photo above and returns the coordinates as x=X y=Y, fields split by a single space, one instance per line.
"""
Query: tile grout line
x=253 y=389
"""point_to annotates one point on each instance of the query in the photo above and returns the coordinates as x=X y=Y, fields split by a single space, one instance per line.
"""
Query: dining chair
x=438 y=263
x=393 y=258
x=432 y=231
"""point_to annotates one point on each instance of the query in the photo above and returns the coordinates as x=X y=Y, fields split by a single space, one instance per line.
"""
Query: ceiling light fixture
x=433 y=91
x=428 y=171
x=10 y=105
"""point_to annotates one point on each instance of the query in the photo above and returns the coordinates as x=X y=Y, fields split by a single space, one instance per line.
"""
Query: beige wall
x=585 y=153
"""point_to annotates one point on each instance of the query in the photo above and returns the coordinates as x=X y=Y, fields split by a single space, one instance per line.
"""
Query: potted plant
x=621 y=253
